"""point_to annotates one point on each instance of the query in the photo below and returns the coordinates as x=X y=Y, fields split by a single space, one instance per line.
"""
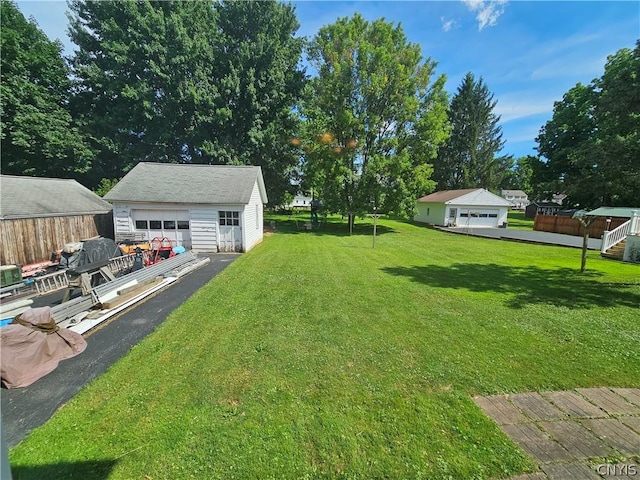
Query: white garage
x=205 y=208
x=474 y=207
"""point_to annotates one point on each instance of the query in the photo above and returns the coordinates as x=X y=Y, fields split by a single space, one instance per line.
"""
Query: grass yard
x=317 y=356
x=516 y=220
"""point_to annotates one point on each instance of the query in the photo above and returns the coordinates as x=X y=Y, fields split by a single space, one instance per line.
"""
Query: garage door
x=173 y=224
x=478 y=218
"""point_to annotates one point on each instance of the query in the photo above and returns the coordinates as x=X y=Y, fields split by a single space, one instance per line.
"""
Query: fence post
x=634 y=227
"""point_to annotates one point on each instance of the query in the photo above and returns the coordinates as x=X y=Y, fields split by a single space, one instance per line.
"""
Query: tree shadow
x=332 y=228
x=87 y=470
x=528 y=285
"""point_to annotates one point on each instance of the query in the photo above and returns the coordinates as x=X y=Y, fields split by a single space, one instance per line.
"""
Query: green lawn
x=516 y=220
x=317 y=356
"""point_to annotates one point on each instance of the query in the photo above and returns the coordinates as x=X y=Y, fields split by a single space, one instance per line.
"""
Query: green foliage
x=373 y=119
x=468 y=159
x=105 y=185
x=39 y=137
x=197 y=82
x=592 y=143
x=275 y=370
x=520 y=176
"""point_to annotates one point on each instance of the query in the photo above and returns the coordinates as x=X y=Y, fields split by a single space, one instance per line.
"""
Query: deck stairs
x=616 y=252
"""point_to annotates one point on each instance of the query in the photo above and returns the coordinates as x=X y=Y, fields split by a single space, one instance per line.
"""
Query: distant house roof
x=466 y=196
x=32 y=197
x=545 y=204
x=188 y=183
x=518 y=193
x=624 y=212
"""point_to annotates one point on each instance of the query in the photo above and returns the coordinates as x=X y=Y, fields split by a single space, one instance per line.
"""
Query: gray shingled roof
x=30 y=197
x=188 y=183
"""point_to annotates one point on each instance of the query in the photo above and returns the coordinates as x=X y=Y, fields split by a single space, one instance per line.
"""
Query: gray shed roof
x=188 y=183
x=32 y=197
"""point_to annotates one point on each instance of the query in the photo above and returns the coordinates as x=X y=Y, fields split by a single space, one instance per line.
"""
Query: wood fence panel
x=571 y=226
x=29 y=240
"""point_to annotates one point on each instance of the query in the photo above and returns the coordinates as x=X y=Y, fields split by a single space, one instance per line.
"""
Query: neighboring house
x=301 y=201
x=474 y=207
x=541 y=208
x=39 y=215
x=518 y=199
x=206 y=208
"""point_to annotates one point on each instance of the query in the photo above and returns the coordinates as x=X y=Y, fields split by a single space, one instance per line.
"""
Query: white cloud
x=515 y=107
x=487 y=13
x=447 y=24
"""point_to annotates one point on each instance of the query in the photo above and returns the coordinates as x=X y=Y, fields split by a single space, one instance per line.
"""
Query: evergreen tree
x=39 y=137
x=468 y=159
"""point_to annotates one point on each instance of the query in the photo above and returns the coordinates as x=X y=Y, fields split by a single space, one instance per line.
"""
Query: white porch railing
x=611 y=238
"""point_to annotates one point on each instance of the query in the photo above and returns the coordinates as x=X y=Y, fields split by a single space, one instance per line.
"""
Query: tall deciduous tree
x=592 y=143
x=198 y=81
x=257 y=58
x=469 y=158
x=39 y=137
x=374 y=120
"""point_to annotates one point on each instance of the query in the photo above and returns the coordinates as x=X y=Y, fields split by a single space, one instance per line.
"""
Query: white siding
x=121 y=219
x=431 y=213
x=204 y=229
x=253 y=220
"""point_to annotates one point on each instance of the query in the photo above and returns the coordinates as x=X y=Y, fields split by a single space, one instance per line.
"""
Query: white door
x=230 y=231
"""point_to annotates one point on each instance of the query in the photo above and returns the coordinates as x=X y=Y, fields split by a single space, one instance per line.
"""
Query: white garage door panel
x=172 y=224
x=479 y=217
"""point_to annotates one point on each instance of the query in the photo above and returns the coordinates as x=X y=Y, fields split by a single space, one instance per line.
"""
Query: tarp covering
x=90 y=251
x=33 y=345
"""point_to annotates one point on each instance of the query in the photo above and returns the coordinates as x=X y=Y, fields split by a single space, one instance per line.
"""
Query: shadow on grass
x=87 y=470
x=528 y=285
x=336 y=229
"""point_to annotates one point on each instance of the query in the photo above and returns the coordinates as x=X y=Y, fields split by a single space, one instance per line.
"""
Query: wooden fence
x=571 y=226
x=30 y=240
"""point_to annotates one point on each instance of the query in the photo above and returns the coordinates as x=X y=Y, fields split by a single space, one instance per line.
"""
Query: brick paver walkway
x=568 y=433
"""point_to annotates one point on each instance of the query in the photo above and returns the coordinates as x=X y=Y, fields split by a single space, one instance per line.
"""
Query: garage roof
x=472 y=196
x=188 y=183
x=33 y=197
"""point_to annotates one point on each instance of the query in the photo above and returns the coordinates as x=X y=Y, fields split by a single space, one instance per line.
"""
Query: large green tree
x=200 y=81
x=373 y=119
x=469 y=159
x=39 y=137
x=591 y=146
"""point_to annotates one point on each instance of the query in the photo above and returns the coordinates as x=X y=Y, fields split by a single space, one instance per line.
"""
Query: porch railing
x=615 y=236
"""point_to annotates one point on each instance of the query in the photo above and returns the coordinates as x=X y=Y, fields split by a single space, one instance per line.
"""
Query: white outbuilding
x=205 y=208
x=473 y=207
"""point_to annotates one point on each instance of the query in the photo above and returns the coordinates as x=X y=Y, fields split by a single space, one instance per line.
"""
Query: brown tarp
x=33 y=345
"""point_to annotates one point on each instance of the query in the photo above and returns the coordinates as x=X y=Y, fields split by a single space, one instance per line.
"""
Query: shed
x=472 y=207
x=541 y=208
x=205 y=208
x=39 y=215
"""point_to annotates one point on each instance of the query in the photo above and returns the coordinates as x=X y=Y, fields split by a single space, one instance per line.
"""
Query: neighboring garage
x=474 y=207
x=206 y=208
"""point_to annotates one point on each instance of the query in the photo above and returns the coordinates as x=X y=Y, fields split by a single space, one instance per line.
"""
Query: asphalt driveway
x=24 y=409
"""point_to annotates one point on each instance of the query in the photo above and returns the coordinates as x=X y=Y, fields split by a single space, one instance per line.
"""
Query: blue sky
x=529 y=53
